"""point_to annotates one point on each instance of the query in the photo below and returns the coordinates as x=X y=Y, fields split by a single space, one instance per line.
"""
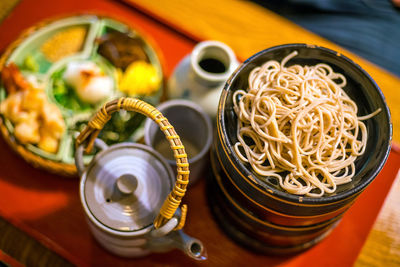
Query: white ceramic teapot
x=126 y=185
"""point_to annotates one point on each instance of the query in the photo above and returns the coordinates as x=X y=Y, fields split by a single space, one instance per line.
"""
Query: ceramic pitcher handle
x=80 y=166
x=102 y=116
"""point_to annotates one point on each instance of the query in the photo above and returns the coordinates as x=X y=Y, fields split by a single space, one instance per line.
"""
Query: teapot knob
x=127 y=184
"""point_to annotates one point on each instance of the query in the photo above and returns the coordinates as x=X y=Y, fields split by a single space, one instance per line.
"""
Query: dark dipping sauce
x=212 y=65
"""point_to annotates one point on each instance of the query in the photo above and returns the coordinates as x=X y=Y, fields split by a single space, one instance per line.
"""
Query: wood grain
x=6 y=7
x=248 y=28
x=27 y=250
x=383 y=244
x=50 y=209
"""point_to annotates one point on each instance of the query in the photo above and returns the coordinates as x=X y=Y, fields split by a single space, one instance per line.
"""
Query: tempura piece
x=11 y=106
x=27 y=132
x=48 y=142
x=33 y=99
x=35 y=120
x=53 y=123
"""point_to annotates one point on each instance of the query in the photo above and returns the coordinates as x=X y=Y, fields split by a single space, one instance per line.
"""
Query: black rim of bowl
x=221 y=125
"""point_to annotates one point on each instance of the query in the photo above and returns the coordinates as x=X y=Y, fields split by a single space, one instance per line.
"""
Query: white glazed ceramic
x=120 y=210
x=192 y=82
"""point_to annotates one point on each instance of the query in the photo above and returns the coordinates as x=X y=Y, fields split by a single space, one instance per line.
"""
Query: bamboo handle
x=102 y=116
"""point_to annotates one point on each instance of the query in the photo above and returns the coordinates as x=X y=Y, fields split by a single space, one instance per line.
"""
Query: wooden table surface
x=226 y=21
x=249 y=28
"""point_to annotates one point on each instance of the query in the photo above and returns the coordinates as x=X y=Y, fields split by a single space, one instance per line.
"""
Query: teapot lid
x=125 y=186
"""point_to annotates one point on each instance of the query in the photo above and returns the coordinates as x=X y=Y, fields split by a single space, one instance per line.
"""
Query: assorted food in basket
x=300 y=132
x=57 y=74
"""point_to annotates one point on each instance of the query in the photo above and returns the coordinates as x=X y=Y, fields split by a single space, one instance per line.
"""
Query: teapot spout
x=190 y=246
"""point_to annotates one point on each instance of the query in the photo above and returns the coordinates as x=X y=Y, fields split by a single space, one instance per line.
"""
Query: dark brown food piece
x=121 y=49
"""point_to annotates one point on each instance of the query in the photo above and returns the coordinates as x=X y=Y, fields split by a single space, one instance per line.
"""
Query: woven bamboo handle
x=102 y=116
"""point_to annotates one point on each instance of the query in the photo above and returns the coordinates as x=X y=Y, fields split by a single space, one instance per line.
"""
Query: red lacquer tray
x=47 y=207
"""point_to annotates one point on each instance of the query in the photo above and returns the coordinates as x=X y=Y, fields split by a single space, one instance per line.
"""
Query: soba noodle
x=298 y=125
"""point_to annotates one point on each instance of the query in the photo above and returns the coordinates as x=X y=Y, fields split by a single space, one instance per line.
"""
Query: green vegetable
x=31 y=64
x=59 y=87
x=65 y=95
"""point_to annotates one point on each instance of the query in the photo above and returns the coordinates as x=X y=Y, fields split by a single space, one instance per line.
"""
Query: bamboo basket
x=35 y=160
x=56 y=167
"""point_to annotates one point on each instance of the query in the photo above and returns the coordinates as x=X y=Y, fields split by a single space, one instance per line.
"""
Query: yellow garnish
x=140 y=78
x=118 y=74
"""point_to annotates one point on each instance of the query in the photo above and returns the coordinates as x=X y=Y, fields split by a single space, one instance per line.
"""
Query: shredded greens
x=66 y=95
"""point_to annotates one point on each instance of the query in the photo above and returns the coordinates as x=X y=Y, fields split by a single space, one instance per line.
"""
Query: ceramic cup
x=193 y=126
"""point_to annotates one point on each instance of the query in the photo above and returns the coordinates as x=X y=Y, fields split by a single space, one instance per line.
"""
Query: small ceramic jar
x=200 y=76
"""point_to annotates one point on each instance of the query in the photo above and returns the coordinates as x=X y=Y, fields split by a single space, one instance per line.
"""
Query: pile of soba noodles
x=298 y=125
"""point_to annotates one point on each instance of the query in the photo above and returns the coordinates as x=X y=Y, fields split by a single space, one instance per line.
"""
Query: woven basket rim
x=58 y=167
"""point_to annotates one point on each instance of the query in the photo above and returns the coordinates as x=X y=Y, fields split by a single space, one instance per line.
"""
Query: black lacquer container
x=253 y=210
